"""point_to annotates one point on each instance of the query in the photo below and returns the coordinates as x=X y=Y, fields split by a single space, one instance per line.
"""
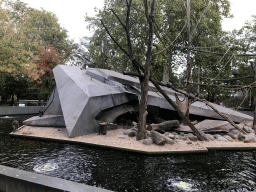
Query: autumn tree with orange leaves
x=32 y=42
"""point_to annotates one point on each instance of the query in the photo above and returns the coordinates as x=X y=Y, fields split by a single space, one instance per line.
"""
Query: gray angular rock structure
x=83 y=97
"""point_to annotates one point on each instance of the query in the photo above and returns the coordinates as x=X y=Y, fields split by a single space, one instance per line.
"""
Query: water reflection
x=123 y=171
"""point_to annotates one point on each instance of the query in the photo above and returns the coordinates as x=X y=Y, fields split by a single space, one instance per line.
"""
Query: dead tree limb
x=208 y=104
x=245 y=77
x=166 y=126
x=157 y=138
x=201 y=136
x=223 y=86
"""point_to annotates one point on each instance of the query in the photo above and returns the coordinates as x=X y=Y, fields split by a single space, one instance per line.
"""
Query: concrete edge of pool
x=15 y=180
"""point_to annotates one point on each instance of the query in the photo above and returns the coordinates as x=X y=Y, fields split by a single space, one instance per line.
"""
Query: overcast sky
x=71 y=13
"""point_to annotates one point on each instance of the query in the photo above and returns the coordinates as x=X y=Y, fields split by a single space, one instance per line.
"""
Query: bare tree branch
x=184 y=4
x=113 y=38
x=193 y=31
x=118 y=19
x=246 y=77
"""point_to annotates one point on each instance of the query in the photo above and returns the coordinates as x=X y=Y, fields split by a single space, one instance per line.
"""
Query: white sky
x=71 y=13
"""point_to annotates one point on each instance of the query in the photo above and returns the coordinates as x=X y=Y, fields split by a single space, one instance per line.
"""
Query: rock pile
x=218 y=131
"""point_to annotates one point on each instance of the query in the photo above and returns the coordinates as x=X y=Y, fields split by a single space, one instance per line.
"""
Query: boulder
x=241 y=137
x=228 y=138
x=147 y=141
x=234 y=131
x=221 y=139
x=132 y=133
x=250 y=138
x=211 y=137
x=192 y=137
x=248 y=129
x=189 y=142
x=232 y=135
x=185 y=137
x=127 y=131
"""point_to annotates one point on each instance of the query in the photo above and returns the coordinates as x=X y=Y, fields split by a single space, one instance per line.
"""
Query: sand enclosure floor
x=116 y=139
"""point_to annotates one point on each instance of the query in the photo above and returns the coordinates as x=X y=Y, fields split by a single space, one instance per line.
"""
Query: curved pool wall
x=124 y=171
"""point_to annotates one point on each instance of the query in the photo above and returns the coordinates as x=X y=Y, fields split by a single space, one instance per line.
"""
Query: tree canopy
x=32 y=41
x=170 y=29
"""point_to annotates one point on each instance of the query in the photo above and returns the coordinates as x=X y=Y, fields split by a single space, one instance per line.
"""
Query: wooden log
x=166 y=126
x=157 y=138
x=103 y=128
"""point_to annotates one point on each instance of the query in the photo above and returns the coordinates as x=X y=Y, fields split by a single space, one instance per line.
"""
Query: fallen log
x=157 y=138
x=166 y=126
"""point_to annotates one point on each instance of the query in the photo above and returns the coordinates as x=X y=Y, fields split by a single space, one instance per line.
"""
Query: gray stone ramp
x=208 y=126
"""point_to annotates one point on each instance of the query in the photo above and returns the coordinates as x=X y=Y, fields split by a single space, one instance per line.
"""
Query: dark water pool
x=122 y=171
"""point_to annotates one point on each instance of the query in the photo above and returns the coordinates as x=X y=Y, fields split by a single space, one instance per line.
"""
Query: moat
x=123 y=171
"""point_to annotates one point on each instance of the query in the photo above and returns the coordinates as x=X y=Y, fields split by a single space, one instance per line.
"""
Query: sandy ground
x=116 y=139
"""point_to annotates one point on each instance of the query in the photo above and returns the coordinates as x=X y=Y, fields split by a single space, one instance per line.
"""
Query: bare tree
x=143 y=73
x=144 y=79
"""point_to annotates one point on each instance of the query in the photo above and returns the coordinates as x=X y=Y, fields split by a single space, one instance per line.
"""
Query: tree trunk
x=254 y=103
x=103 y=128
x=145 y=81
x=188 y=54
x=183 y=106
x=166 y=126
x=166 y=73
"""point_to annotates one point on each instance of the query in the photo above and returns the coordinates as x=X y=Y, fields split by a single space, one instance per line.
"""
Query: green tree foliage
x=170 y=29
x=29 y=40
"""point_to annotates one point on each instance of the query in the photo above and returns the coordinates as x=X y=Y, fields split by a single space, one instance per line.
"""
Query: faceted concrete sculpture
x=83 y=95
